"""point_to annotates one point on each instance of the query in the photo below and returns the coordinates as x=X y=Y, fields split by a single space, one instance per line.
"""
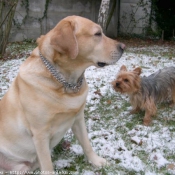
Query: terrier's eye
x=126 y=80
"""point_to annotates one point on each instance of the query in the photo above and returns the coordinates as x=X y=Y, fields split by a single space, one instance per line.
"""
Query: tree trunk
x=103 y=14
x=7 y=12
x=162 y=35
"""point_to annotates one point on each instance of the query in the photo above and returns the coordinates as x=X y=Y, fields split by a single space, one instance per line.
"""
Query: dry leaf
x=171 y=166
x=98 y=92
x=109 y=102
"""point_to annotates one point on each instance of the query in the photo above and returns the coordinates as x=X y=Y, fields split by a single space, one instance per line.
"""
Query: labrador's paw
x=97 y=161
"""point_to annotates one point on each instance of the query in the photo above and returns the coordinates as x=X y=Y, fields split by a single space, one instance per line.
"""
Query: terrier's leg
x=135 y=110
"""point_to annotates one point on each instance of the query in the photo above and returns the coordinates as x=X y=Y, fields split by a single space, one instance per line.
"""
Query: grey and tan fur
x=146 y=92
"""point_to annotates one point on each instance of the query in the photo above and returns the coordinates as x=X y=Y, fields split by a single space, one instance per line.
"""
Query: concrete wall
x=57 y=10
x=134 y=16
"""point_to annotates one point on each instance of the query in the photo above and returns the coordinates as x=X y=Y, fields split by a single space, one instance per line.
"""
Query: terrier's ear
x=123 y=68
x=64 y=40
x=137 y=70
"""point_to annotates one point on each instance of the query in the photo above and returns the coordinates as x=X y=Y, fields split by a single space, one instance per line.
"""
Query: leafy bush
x=164 y=15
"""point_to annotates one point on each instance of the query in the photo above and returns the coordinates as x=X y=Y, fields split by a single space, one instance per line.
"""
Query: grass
x=109 y=122
x=18 y=50
x=169 y=53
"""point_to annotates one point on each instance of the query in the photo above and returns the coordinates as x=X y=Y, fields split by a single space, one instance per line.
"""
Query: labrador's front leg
x=79 y=129
x=41 y=143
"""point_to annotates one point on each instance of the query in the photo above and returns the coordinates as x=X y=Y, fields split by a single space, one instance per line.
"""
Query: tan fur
x=129 y=81
x=36 y=111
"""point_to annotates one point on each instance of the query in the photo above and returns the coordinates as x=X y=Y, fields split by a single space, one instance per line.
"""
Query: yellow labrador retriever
x=49 y=94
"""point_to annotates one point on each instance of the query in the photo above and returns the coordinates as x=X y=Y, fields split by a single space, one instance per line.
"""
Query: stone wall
x=32 y=27
x=57 y=10
x=134 y=16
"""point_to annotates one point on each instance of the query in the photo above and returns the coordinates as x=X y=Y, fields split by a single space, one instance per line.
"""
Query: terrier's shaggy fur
x=146 y=92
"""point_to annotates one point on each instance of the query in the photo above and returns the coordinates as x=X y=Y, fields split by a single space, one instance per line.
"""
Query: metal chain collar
x=59 y=77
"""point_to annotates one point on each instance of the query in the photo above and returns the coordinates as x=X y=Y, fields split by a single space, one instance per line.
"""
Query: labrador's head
x=80 y=38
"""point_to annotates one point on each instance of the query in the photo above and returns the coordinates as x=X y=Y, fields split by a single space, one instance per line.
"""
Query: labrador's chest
x=69 y=108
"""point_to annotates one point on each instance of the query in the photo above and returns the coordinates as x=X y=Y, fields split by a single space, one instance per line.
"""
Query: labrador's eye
x=98 y=34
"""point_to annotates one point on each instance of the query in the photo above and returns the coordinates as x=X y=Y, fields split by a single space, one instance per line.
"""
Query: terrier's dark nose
x=117 y=84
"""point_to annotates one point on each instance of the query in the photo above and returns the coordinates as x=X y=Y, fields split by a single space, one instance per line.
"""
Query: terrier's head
x=127 y=81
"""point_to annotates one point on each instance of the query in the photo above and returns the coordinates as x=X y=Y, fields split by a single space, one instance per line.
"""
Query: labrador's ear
x=64 y=40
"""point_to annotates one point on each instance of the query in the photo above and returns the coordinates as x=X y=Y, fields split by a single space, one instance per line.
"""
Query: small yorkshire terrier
x=146 y=92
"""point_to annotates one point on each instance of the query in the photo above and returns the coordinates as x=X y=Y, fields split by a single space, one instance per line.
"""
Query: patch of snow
x=156 y=142
x=62 y=163
x=77 y=149
x=88 y=173
x=158 y=158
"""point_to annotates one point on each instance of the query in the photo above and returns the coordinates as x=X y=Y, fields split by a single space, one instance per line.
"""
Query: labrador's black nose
x=121 y=47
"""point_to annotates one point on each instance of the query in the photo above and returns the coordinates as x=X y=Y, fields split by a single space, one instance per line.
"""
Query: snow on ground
x=150 y=150
x=155 y=144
